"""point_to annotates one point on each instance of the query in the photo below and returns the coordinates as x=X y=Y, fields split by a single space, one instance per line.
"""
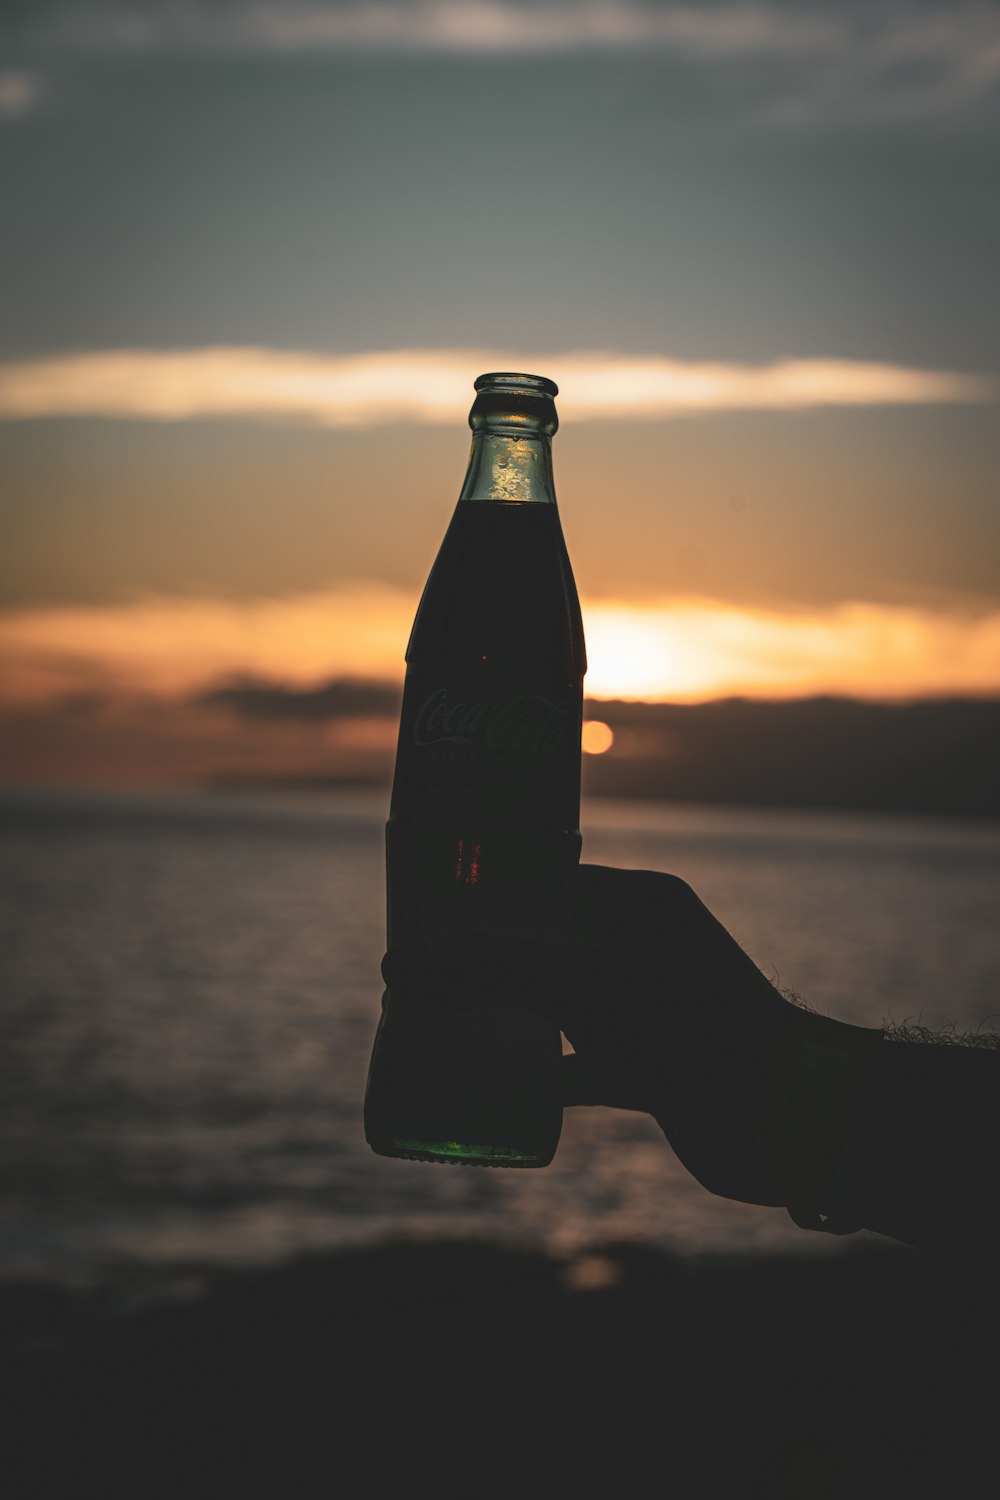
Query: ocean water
x=189 y=988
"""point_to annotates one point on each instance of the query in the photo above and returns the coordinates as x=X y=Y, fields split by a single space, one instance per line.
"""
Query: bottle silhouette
x=483 y=832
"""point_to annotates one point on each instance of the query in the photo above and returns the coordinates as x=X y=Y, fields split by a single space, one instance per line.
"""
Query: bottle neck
x=510 y=469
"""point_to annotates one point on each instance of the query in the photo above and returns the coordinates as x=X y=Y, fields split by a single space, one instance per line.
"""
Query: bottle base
x=464 y=1087
x=459 y=1153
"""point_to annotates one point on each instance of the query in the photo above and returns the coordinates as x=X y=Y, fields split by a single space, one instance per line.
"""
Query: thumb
x=477 y=969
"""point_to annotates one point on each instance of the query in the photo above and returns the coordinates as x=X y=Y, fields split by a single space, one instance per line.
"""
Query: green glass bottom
x=458 y=1153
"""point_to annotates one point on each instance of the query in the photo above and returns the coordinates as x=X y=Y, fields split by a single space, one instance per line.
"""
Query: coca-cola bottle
x=483 y=831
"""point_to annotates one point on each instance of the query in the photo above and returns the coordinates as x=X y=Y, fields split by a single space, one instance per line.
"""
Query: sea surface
x=189 y=986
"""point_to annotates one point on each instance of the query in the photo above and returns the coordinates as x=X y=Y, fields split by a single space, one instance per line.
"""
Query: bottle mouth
x=513 y=403
x=527 y=385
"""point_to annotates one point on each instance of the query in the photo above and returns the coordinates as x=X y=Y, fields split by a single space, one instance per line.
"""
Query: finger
x=582 y=1084
x=482 y=968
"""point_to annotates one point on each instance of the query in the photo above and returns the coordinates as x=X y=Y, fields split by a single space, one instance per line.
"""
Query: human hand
x=664 y=1010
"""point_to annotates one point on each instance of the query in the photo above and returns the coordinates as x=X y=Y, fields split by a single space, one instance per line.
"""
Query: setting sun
x=598 y=737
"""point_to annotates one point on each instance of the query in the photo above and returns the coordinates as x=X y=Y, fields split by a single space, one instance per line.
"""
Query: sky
x=255 y=254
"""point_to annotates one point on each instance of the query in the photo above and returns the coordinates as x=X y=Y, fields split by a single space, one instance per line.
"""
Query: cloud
x=433 y=385
x=342 y=698
x=677 y=649
x=438 y=26
x=182 y=645
x=20 y=93
x=520 y=26
x=828 y=60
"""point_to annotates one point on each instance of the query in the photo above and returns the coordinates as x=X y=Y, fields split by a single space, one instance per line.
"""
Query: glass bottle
x=483 y=831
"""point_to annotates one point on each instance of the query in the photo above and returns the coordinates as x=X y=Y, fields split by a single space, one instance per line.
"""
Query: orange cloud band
x=669 y=649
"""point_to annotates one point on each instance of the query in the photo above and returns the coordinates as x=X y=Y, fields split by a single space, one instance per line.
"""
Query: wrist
x=815 y=1077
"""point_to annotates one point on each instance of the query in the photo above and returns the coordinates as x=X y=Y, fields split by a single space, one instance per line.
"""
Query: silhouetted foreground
x=469 y=1370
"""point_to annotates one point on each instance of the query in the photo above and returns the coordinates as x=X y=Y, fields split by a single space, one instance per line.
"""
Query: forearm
x=896 y=1136
x=919 y=1160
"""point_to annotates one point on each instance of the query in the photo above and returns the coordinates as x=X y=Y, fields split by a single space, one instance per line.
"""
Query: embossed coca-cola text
x=526 y=725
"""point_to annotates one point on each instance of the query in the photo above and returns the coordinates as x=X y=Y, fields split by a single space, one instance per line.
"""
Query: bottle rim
x=516 y=383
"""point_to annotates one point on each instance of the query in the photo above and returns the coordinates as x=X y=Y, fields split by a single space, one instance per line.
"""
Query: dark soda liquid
x=483 y=834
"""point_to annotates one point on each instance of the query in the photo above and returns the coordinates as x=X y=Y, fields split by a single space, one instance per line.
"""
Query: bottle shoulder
x=501 y=587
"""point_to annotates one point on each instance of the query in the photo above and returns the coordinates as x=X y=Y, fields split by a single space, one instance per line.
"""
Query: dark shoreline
x=924 y=756
x=468 y=1369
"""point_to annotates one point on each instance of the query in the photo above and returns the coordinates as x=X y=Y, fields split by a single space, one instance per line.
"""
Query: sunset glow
x=245 y=304
x=680 y=650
